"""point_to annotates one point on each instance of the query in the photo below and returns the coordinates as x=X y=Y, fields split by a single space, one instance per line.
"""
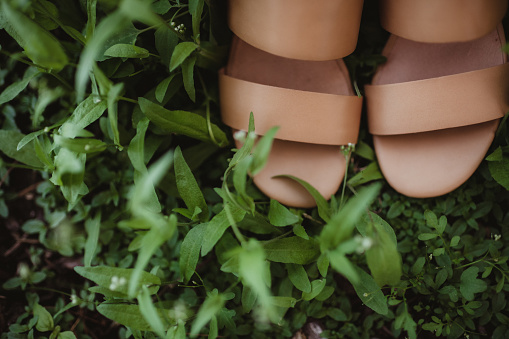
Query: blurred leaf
x=69 y=175
x=341 y=225
x=182 y=122
x=116 y=279
x=178 y=331
x=141 y=10
x=341 y=264
x=181 y=52
x=500 y=171
x=9 y=140
x=383 y=258
x=162 y=88
x=252 y=266
x=126 y=51
x=188 y=187
x=210 y=307
x=149 y=312
x=80 y=145
x=190 y=251
x=39 y=45
x=291 y=250
x=151 y=242
x=11 y=91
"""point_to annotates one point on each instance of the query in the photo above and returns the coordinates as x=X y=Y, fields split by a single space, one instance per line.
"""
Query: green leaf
x=45 y=320
x=317 y=287
x=323 y=264
x=188 y=76
x=469 y=284
x=284 y=302
x=69 y=175
x=217 y=226
x=210 y=307
x=341 y=225
x=125 y=314
x=292 y=250
x=190 y=251
x=127 y=51
x=116 y=279
x=88 y=111
x=369 y=173
x=299 y=277
x=39 y=45
x=182 y=122
x=66 y=335
x=500 y=171
x=262 y=150
x=181 y=52
x=11 y=91
x=370 y=293
x=455 y=241
x=113 y=94
x=9 y=140
x=149 y=312
x=162 y=88
x=321 y=203
x=165 y=39
x=427 y=236
x=196 y=10
x=188 y=187
x=80 y=145
x=248 y=299
x=279 y=215
x=93 y=227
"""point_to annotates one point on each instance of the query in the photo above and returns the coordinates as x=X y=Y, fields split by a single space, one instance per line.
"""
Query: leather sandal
x=435 y=105
x=285 y=68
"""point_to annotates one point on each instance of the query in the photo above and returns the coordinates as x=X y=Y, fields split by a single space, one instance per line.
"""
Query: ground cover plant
x=125 y=213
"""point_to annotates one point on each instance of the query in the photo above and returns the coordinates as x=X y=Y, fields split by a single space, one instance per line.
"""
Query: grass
x=125 y=213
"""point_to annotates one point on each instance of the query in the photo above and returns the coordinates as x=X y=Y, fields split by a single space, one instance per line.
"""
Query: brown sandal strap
x=438 y=103
x=441 y=20
x=298 y=29
x=310 y=117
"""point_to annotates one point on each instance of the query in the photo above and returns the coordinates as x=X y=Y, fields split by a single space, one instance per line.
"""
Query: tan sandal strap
x=298 y=29
x=441 y=20
x=302 y=116
x=438 y=103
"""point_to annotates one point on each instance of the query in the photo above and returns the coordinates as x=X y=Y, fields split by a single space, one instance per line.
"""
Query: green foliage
x=109 y=113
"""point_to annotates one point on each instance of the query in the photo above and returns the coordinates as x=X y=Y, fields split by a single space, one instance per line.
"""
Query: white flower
x=117 y=282
x=74 y=299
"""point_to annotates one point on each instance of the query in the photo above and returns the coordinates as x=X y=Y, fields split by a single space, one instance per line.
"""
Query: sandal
x=434 y=106
x=311 y=99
